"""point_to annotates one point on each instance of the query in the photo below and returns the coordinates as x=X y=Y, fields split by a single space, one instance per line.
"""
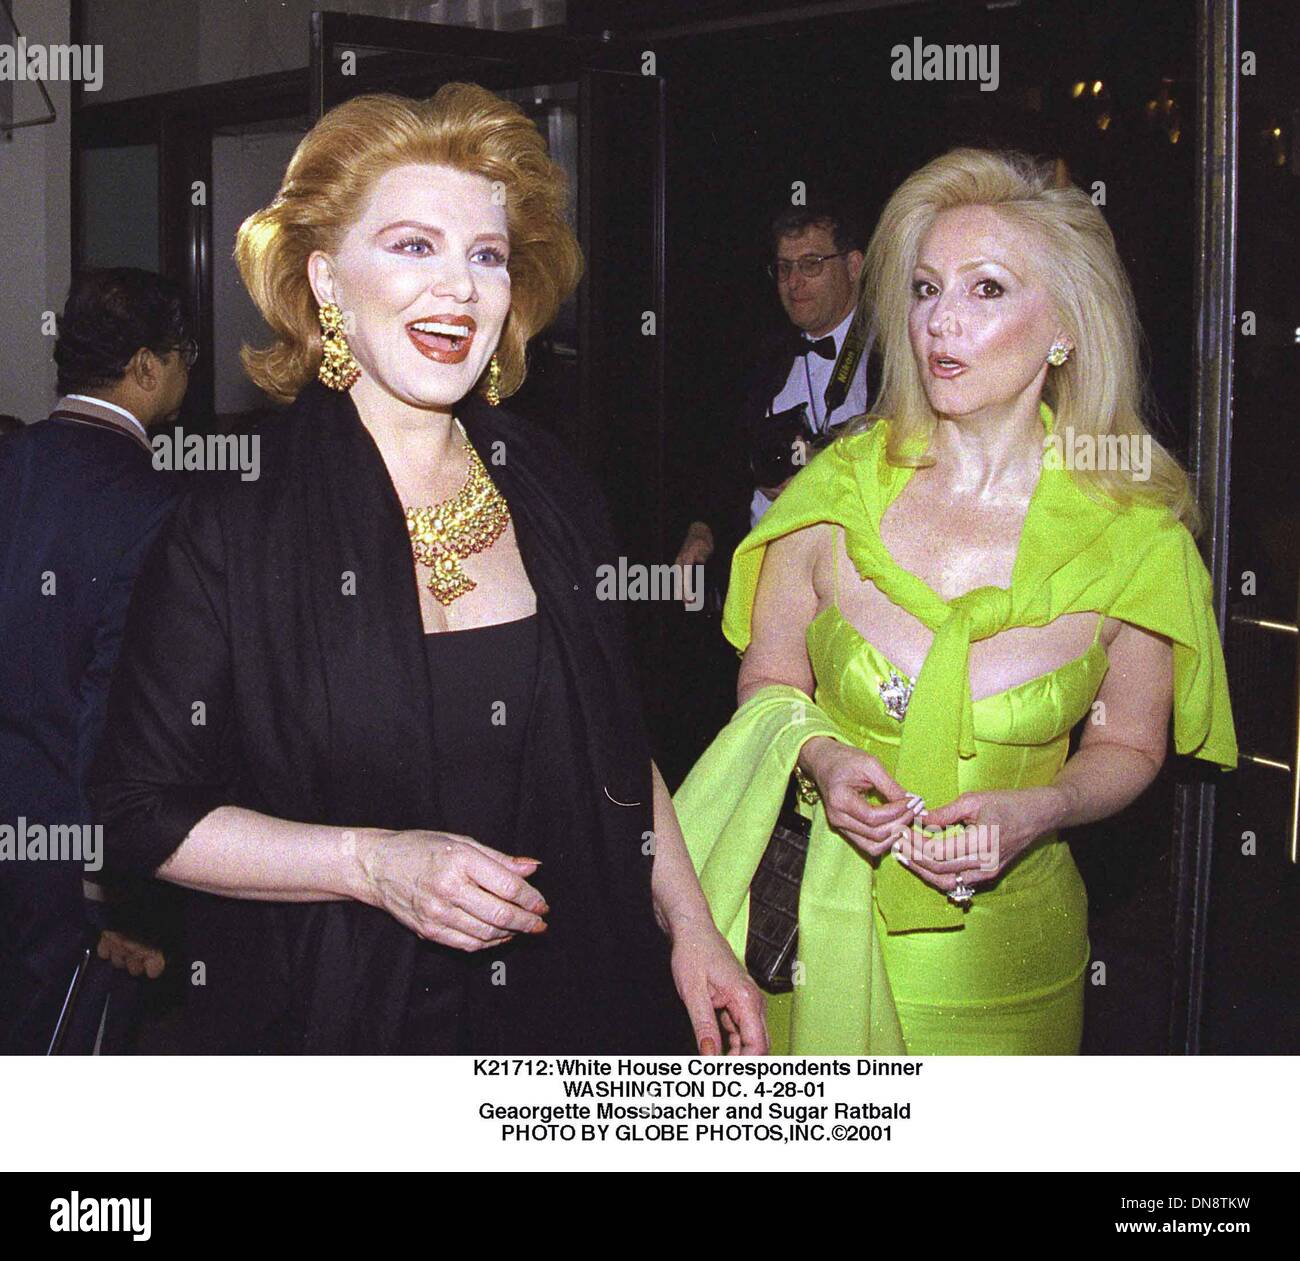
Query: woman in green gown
x=1001 y=552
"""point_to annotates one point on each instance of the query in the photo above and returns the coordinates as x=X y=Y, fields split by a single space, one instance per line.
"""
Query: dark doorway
x=1249 y=886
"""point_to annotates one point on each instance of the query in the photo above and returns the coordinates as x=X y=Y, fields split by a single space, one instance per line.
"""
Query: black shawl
x=274 y=659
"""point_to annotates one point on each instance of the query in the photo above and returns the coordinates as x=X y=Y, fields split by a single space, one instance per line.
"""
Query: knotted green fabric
x=1076 y=554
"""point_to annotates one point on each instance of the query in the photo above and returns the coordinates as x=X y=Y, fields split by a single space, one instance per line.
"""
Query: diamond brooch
x=895 y=692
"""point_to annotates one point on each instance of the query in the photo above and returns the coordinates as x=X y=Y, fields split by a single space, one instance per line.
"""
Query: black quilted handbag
x=774 y=900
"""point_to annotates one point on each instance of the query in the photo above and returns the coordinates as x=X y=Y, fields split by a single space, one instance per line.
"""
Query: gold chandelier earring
x=339 y=370
x=493 y=391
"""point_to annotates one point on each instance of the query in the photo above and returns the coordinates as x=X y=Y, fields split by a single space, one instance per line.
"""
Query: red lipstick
x=442 y=338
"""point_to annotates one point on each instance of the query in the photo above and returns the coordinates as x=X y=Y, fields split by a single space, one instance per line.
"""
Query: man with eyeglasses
x=817 y=258
x=80 y=505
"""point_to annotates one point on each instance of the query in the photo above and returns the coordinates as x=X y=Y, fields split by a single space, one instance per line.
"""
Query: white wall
x=35 y=226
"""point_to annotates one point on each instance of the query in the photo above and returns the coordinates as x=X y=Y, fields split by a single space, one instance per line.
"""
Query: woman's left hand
x=997 y=827
x=716 y=989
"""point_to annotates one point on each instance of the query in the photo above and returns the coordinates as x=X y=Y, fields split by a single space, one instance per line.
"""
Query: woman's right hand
x=843 y=774
x=450 y=889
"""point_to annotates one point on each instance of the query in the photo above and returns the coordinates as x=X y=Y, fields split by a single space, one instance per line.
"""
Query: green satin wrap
x=1012 y=960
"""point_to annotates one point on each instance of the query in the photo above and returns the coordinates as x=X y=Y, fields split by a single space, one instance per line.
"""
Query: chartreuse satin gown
x=886 y=963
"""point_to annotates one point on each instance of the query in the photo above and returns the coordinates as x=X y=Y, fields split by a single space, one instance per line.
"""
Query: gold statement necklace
x=445 y=534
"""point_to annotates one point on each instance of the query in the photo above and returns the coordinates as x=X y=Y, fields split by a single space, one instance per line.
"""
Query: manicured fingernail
x=897 y=851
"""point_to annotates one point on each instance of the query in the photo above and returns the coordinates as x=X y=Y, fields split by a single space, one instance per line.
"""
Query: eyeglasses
x=809 y=265
x=189 y=351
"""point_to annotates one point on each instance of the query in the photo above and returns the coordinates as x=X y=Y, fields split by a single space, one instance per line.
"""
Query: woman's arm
x=784 y=605
x=1121 y=752
x=678 y=899
x=708 y=976
x=446 y=888
x=242 y=853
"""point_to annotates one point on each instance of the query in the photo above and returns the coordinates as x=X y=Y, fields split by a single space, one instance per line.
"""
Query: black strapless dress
x=482 y=680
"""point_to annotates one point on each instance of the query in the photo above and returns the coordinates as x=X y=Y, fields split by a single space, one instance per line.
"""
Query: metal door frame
x=1217 y=49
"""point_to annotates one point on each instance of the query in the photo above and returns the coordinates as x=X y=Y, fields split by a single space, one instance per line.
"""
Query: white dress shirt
x=807 y=382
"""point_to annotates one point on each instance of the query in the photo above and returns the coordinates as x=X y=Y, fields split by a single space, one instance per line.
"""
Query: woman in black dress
x=369 y=706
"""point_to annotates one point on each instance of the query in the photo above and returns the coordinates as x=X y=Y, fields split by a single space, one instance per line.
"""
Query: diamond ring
x=961 y=894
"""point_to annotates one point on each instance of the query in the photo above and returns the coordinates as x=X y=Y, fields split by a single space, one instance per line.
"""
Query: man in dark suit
x=817 y=257
x=80 y=504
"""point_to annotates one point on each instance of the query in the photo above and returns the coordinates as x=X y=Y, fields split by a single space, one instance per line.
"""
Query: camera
x=774 y=454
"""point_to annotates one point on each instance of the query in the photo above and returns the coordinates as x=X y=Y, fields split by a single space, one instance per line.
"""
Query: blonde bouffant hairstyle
x=325 y=188
x=1100 y=390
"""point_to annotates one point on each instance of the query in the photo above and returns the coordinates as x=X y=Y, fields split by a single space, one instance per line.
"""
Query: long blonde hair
x=1099 y=391
x=463 y=126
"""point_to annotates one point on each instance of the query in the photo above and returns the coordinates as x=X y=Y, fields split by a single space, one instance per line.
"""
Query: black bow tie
x=824 y=346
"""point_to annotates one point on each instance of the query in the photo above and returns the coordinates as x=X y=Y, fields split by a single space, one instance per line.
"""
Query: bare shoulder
x=788 y=586
x=791 y=559
x=784 y=605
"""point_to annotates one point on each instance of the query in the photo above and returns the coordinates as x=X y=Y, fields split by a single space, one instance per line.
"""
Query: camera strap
x=846 y=365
